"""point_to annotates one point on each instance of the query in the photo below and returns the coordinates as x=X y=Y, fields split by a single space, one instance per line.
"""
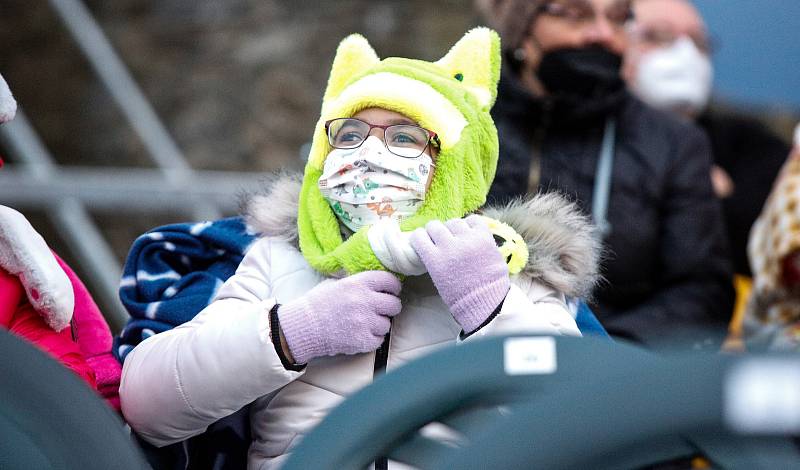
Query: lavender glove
x=466 y=268
x=345 y=316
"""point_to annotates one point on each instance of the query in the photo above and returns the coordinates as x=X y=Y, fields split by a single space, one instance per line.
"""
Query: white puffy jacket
x=175 y=384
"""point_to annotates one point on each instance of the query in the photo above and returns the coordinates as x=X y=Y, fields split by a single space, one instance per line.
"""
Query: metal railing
x=67 y=194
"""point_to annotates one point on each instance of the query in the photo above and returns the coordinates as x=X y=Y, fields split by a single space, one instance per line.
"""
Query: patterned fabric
x=172 y=272
x=366 y=184
x=772 y=319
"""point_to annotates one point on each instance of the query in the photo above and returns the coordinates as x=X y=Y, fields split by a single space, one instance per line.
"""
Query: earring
x=519 y=54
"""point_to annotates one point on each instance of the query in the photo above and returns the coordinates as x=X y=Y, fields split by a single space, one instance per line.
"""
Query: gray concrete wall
x=238 y=82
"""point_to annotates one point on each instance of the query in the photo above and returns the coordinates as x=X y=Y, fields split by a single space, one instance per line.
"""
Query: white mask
x=369 y=183
x=677 y=76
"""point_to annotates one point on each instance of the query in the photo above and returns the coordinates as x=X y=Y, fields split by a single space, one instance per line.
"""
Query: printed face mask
x=678 y=76
x=368 y=183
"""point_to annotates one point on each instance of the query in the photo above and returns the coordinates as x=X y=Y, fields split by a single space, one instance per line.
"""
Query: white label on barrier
x=528 y=356
x=762 y=396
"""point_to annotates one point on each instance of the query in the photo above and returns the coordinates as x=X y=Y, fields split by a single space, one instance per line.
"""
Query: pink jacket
x=20 y=318
x=94 y=338
x=84 y=346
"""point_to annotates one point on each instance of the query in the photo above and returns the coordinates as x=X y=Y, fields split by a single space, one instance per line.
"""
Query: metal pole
x=130 y=189
x=134 y=105
x=116 y=78
x=72 y=220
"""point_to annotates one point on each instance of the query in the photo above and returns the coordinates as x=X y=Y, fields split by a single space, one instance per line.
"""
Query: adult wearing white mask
x=668 y=65
x=667 y=61
x=567 y=123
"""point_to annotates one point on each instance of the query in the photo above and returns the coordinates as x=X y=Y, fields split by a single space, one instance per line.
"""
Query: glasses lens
x=347 y=133
x=657 y=37
x=575 y=10
x=406 y=140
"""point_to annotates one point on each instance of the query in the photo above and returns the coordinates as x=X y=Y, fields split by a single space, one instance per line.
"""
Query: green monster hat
x=451 y=97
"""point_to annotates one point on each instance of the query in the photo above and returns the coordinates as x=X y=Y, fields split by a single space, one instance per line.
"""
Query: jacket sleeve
x=696 y=296
x=24 y=321
x=175 y=384
x=533 y=308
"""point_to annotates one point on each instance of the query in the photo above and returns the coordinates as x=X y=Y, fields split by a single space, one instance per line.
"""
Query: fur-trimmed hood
x=563 y=251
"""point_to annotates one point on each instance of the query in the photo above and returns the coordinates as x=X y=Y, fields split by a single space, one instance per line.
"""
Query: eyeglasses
x=580 y=13
x=664 y=37
x=403 y=140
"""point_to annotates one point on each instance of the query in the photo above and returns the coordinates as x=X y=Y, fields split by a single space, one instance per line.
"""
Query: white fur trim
x=563 y=253
x=8 y=106
x=24 y=253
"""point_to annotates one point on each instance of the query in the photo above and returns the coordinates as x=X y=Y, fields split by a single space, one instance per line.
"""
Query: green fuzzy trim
x=463 y=173
x=460 y=183
x=320 y=238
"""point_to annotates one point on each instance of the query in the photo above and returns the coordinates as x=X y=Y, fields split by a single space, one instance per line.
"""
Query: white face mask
x=677 y=76
x=368 y=183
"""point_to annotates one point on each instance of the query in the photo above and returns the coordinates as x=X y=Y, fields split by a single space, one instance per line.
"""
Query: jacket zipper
x=381 y=356
x=381 y=359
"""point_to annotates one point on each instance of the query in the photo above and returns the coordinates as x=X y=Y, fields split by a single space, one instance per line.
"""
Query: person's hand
x=721 y=182
x=466 y=267
x=344 y=316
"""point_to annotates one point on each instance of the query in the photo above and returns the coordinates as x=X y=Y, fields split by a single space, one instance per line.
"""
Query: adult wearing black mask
x=566 y=123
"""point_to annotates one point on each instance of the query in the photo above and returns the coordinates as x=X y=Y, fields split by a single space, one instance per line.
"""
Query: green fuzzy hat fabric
x=451 y=97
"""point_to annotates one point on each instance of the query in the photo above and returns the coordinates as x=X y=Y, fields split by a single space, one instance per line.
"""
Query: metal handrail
x=71 y=218
x=66 y=193
x=115 y=77
x=137 y=189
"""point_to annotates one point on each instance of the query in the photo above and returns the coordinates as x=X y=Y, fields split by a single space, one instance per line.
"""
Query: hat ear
x=475 y=61
x=353 y=56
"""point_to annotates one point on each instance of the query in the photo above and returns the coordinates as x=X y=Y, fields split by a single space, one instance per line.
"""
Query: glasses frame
x=432 y=136
x=557 y=10
x=661 y=37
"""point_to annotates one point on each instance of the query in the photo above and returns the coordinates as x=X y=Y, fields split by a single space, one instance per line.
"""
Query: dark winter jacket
x=752 y=157
x=667 y=267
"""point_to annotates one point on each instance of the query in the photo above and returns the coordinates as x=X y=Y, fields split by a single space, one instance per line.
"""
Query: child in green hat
x=373 y=257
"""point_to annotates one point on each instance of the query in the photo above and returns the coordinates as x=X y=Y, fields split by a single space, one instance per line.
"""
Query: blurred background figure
x=237 y=86
x=772 y=320
x=567 y=123
x=668 y=65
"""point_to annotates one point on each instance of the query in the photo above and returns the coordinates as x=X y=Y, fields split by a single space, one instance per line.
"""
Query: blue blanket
x=588 y=323
x=173 y=272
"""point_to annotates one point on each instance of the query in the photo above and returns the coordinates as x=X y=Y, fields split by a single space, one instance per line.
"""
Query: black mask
x=582 y=82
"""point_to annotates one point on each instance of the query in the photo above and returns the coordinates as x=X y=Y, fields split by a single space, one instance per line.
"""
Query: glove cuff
x=301 y=331
x=472 y=310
